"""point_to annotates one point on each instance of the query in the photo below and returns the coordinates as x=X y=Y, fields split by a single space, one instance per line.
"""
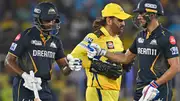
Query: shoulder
x=56 y=38
x=165 y=34
x=90 y=37
x=26 y=32
x=166 y=37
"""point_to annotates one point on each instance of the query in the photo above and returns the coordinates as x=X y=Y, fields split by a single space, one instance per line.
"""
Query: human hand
x=37 y=99
x=95 y=50
x=150 y=92
x=29 y=80
x=74 y=63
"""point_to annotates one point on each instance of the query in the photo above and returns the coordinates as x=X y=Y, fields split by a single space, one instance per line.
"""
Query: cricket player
x=103 y=82
x=156 y=51
x=36 y=49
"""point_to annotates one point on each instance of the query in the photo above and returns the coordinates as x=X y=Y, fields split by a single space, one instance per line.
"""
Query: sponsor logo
x=53 y=45
x=36 y=10
x=110 y=44
x=44 y=53
x=153 y=42
x=149 y=5
x=172 y=40
x=17 y=37
x=140 y=40
x=174 y=50
x=13 y=46
x=36 y=42
x=147 y=51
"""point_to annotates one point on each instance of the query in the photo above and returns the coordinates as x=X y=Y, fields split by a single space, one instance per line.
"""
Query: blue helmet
x=46 y=11
x=153 y=6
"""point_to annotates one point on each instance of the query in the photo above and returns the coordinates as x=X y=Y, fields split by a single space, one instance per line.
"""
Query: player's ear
x=109 y=20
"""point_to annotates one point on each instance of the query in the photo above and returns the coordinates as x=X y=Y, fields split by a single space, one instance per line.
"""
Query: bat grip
x=36 y=94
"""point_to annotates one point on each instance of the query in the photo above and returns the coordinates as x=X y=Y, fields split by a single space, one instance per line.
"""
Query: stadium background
x=76 y=21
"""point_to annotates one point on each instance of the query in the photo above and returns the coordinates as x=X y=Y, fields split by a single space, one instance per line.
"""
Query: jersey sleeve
x=133 y=47
x=80 y=51
x=60 y=51
x=19 y=44
x=169 y=46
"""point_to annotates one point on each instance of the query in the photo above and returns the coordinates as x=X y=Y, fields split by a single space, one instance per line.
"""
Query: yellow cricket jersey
x=108 y=42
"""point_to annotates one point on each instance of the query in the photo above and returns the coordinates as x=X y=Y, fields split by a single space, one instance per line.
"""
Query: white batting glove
x=150 y=92
x=95 y=50
x=29 y=80
x=74 y=63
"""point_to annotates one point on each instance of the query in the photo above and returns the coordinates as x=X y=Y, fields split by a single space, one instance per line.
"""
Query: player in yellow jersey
x=106 y=34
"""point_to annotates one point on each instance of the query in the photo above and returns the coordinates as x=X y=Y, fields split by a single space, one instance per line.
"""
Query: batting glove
x=150 y=92
x=74 y=63
x=95 y=50
x=29 y=80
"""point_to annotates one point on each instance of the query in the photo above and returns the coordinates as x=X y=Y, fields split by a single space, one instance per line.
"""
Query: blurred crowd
x=76 y=21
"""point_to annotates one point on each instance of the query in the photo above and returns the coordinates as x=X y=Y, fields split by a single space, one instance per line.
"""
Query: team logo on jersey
x=36 y=42
x=174 y=50
x=17 y=37
x=13 y=46
x=140 y=40
x=172 y=40
x=153 y=42
x=53 y=45
x=110 y=44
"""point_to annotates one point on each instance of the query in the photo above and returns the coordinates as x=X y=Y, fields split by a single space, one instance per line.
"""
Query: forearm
x=168 y=75
x=119 y=58
x=66 y=70
x=13 y=67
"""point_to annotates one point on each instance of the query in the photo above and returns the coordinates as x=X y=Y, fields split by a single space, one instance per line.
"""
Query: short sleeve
x=133 y=47
x=169 y=46
x=19 y=44
x=60 y=51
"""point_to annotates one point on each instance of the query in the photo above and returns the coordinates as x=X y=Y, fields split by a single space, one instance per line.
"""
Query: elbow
x=6 y=63
x=177 y=68
x=7 y=66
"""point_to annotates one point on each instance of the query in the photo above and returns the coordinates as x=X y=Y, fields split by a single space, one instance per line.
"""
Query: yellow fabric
x=148 y=34
x=151 y=10
x=113 y=9
x=107 y=95
x=80 y=51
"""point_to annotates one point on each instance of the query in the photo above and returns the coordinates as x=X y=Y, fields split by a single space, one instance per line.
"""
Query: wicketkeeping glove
x=109 y=70
x=150 y=92
x=74 y=63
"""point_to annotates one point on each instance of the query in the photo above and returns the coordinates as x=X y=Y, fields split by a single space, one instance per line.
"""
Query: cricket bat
x=36 y=94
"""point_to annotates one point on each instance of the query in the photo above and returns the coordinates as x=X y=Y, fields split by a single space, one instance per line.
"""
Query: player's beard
x=117 y=29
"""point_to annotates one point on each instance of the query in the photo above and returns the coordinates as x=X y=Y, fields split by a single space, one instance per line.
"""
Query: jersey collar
x=154 y=32
x=157 y=30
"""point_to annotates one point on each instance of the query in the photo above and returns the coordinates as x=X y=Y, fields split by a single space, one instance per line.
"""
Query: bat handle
x=36 y=94
x=141 y=99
